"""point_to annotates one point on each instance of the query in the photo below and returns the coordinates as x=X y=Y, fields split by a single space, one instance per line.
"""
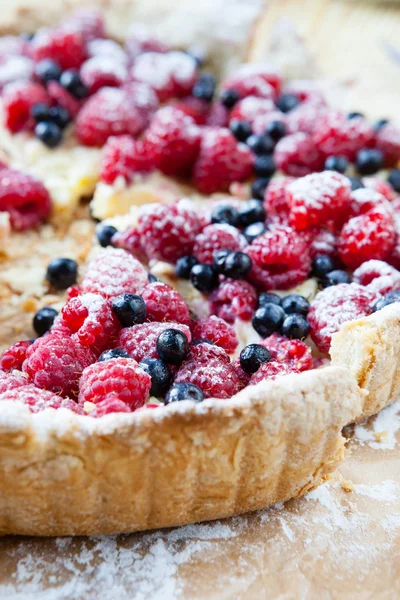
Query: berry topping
x=334 y=134
x=253 y=80
x=129 y=240
x=258 y=188
x=294 y=303
x=322 y=265
x=160 y=375
x=297 y=155
x=389 y=298
x=184 y=266
x=287 y=102
x=63 y=98
x=268 y=298
x=236 y=265
x=184 y=391
x=140 y=340
x=215 y=330
x=377 y=276
x=251 y=232
x=18 y=99
x=225 y=214
x=336 y=163
x=294 y=353
x=14 y=356
x=270 y=371
x=295 y=327
x=250 y=212
x=172 y=346
x=388 y=142
x=253 y=356
x=44 y=319
x=276 y=196
x=102 y=71
x=25 y=199
x=104 y=234
x=369 y=161
x=67 y=48
x=204 y=88
x=240 y=129
x=36 y=399
x=11 y=381
x=71 y=81
x=204 y=278
x=124 y=157
x=216 y=237
x=229 y=98
x=267 y=319
x=337 y=276
x=261 y=144
x=163 y=303
x=130 y=309
x=394 y=179
x=111 y=404
x=62 y=273
x=113 y=353
x=233 y=299
x=276 y=130
x=49 y=133
x=172 y=74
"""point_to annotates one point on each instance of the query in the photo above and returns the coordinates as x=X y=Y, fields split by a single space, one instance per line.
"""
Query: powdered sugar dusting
x=381 y=434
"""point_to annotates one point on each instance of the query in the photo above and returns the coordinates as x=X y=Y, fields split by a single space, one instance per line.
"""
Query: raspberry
x=11 y=381
x=163 y=303
x=297 y=155
x=272 y=370
x=172 y=74
x=144 y=97
x=303 y=117
x=101 y=71
x=142 y=41
x=140 y=340
x=275 y=198
x=123 y=157
x=388 y=141
x=37 y=399
x=55 y=362
x=111 y=404
x=175 y=140
x=316 y=199
x=218 y=115
x=221 y=161
x=14 y=356
x=294 y=353
x=322 y=242
x=25 y=198
x=233 y=299
x=281 y=259
x=377 y=276
x=63 y=98
x=193 y=107
x=336 y=305
x=217 y=237
x=88 y=21
x=13 y=45
x=244 y=377
x=209 y=368
x=252 y=108
x=335 y=134
x=67 y=48
x=381 y=186
x=14 y=69
x=120 y=376
x=113 y=272
x=364 y=200
x=254 y=80
x=110 y=111
x=108 y=49
x=18 y=99
x=217 y=331
x=261 y=122
x=129 y=240
x=168 y=232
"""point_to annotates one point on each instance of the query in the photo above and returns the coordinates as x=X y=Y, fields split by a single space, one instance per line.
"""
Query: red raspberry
x=243 y=376
x=119 y=376
x=294 y=353
x=209 y=368
x=254 y=80
x=63 y=98
x=14 y=356
x=13 y=45
x=15 y=69
x=272 y=370
x=261 y=122
x=142 y=41
x=171 y=74
x=163 y=303
x=110 y=111
x=168 y=232
x=37 y=399
x=18 y=99
x=222 y=160
x=129 y=240
x=364 y=200
x=381 y=186
x=175 y=140
x=388 y=141
x=218 y=115
x=297 y=155
x=252 y=108
x=55 y=362
x=233 y=299
x=100 y=71
x=336 y=305
x=88 y=21
x=108 y=49
x=281 y=259
x=275 y=198
x=11 y=381
x=68 y=48
x=111 y=404
x=322 y=242
x=377 y=276
x=144 y=97
x=25 y=199
x=113 y=272
x=303 y=117
x=335 y=134
x=316 y=199
x=193 y=107
x=217 y=237
x=124 y=157
x=216 y=330
x=140 y=340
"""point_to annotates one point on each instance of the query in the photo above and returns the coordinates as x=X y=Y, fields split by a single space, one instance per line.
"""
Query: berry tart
x=202 y=355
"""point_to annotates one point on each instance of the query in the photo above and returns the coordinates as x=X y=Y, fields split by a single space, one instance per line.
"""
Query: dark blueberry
x=268 y=298
x=151 y=278
x=60 y=116
x=237 y=265
x=62 y=273
x=40 y=112
x=229 y=98
x=130 y=309
x=264 y=166
x=276 y=130
x=172 y=346
x=322 y=265
x=337 y=276
x=369 y=161
x=219 y=257
x=71 y=81
x=294 y=303
x=44 y=319
x=389 y=298
x=251 y=211
x=258 y=188
x=379 y=124
x=240 y=129
x=295 y=327
x=184 y=391
x=113 y=353
x=104 y=234
x=204 y=88
x=160 y=375
x=253 y=356
x=355 y=115
x=204 y=278
x=184 y=265
x=253 y=231
x=394 y=179
x=356 y=183
x=287 y=102
x=49 y=133
x=224 y=213
x=336 y=163
x=268 y=318
x=260 y=144
x=48 y=70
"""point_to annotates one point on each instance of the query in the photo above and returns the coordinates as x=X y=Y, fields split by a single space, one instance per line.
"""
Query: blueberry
x=219 y=257
x=44 y=319
x=104 y=234
x=151 y=278
x=336 y=163
x=369 y=161
x=268 y=298
x=130 y=309
x=172 y=346
x=356 y=183
x=240 y=129
x=294 y=303
x=253 y=356
x=260 y=144
x=268 y=318
x=204 y=88
x=389 y=298
x=62 y=273
x=264 y=166
x=48 y=70
x=113 y=353
x=276 y=130
x=322 y=265
x=229 y=98
x=184 y=265
x=71 y=81
x=295 y=327
x=394 y=179
x=160 y=375
x=379 y=124
x=49 y=133
x=253 y=231
x=60 y=116
x=237 y=265
x=40 y=112
x=337 y=276
x=251 y=211
x=184 y=391
x=224 y=213
x=355 y=115
x=258 y=187
x=287 y=102
x=204 y=278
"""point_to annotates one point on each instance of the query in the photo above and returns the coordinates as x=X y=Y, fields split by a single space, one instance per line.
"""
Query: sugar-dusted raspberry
x=251 y=108
x=254 y=80
x=100 y=71
x=55 y=362
x=129 y=240
x=262 y=122
x=193 y=107
x=381 y=186
x=141 y=40
x=335 y=134
x=18 y=99
x=281 y=259
x=297 y=155
x=217 y=237
x=140 y=340
x=318 y=198
x=63 y=98
x=222 y=160
x=171 y=74
x=15 y=69
x=168 y=232
x=111 y=404
x=14 y=356
x=14 y=45
x=388 y=141
x=244 y=377
x=303 y=117
x=175 y=140
x=336 y=305
x=88 y=21
x=377 y=276
x=110 y=111
x=364 y=200
x=144 y=97
x=25 y=198
x=323 y=242
x=67 y=48
x=36 y=399
x=209 y=368
x=163 y=303
x=233 y=299
x=272 y=370
x=216 y=330
x=113 y=272
x=275 y=198
x=218 y=115
x=107 y=48
x=294 y=353
x=120 y=376
x=124 y=157
x=10 y=381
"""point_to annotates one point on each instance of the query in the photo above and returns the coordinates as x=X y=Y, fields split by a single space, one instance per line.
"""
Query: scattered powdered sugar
x=381 y=433
x=385 y=491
